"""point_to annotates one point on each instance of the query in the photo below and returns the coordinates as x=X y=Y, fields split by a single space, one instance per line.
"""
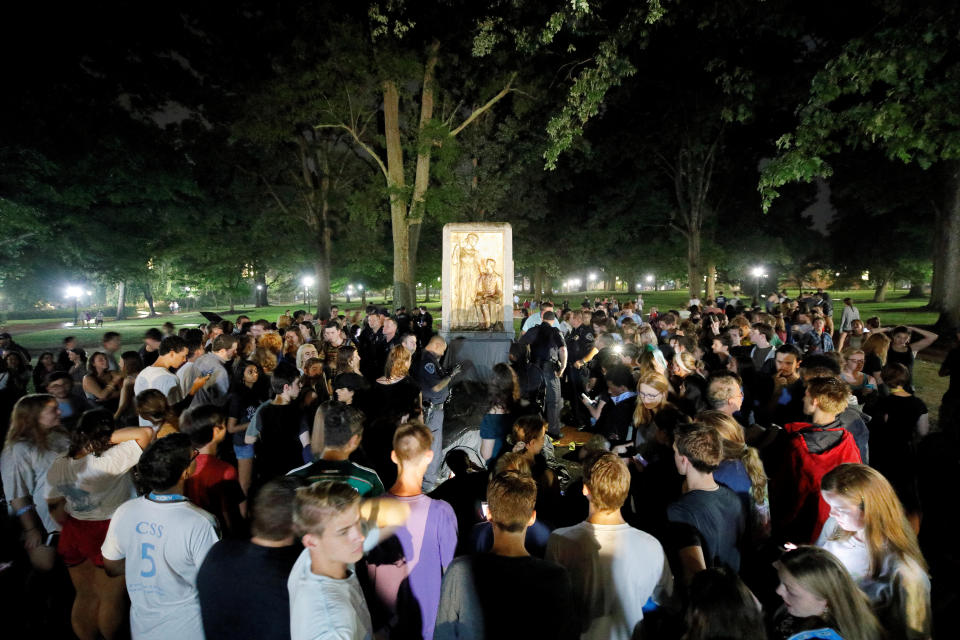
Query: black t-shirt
x=905 y=358
x=242 y=403
x=892 y=433
x=872 y=364
x=542 y=587
x=279 y=448
x=243 y=591
x=545 y=342
x=712 y=520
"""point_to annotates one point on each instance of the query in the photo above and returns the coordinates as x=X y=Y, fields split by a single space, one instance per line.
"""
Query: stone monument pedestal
x=482 y=348
x=477 y=312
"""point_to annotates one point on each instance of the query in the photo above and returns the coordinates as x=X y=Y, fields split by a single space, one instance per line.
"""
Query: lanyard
x=166 y=497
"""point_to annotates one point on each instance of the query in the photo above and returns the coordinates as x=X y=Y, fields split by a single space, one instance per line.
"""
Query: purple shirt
x=406 y=570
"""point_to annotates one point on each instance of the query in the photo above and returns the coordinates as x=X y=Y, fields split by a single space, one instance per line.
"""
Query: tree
x=894 y=86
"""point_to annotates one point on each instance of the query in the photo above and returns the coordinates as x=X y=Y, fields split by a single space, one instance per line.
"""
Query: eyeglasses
x=649 y=396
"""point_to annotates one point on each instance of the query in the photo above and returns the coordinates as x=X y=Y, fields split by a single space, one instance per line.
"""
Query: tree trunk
x=880 y=291
x=326 y=248
x=693 y=263
x=121 y=300
x=916 y=290
x=426 y=290
x=948 y=230
x=232 y=304
x=149 y=296
x=421 y=179
x=711 y=291
x=402 y=277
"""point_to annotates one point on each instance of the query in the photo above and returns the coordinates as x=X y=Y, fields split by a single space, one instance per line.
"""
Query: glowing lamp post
x=307 y=282
x=75 y=293
x=757 y=274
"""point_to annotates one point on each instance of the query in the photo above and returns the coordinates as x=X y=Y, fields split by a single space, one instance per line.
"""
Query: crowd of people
x=731 y=472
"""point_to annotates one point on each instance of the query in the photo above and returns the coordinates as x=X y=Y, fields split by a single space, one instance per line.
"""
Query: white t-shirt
x=852 y=553
x=164 y=544
x=614 y=570
x=323 y=608
x=162 y=380
x=23 y=469
x=95 y=486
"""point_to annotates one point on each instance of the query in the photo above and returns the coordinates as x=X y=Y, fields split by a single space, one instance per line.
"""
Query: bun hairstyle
x=92 y=433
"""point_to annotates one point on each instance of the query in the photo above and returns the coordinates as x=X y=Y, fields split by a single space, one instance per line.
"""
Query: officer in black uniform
x=580 y=350
x=371 y=344
x=434 y=388
x=424 y=326
x=548 y=352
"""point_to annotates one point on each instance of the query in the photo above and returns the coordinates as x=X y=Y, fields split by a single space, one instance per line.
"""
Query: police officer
x=434 y=388
x=580 y=351
x=548 y=353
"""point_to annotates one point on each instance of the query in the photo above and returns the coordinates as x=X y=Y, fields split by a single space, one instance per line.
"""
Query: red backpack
x=804 y=518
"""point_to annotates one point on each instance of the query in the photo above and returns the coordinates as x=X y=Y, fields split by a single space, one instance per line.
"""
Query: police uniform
x=579 y=344
x=545 y=355
x=429 y=375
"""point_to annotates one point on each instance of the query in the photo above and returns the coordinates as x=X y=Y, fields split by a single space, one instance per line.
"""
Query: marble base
x=483 y=349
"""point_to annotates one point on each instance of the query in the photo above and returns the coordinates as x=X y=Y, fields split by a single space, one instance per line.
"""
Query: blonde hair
x=316 y=504
x=608 y=479
x=411 y=441
x=511 y=461
x=271 y=342
x=886 y=528
x=398 y=362
x=642 y=415
x=735 y=448
x=822 y=574
x=301 y=365
x=24 y=421
x=877 y=344
x=265 y=358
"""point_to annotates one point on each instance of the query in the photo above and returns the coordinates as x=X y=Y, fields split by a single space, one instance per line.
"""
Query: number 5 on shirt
x=145 y=550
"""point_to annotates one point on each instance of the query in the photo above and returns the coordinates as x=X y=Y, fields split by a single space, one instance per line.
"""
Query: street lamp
x=758 y=273
x=75 y=292
x=307 y=282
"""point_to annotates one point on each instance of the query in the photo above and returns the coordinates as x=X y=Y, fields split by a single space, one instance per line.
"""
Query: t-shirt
x=162 y=380
x=852 y=553
x=495 y=426
x=232 y=608
x=615 y=570
x=95 y=486
x=406 y=569
x=364 y=480
x=241 y=405
x=323 y=608
x=280 y=448
x=214 y=486
x=713 y=520
x=480 y=596
x=23 y=469
x=164 y=544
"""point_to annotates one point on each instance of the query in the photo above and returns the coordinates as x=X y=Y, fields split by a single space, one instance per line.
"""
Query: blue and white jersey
x=164 y=543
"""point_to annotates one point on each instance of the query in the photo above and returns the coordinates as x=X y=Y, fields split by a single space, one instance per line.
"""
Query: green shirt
x=364 y=480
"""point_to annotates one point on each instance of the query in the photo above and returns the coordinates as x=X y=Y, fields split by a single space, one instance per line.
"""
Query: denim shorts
x=243 y=451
